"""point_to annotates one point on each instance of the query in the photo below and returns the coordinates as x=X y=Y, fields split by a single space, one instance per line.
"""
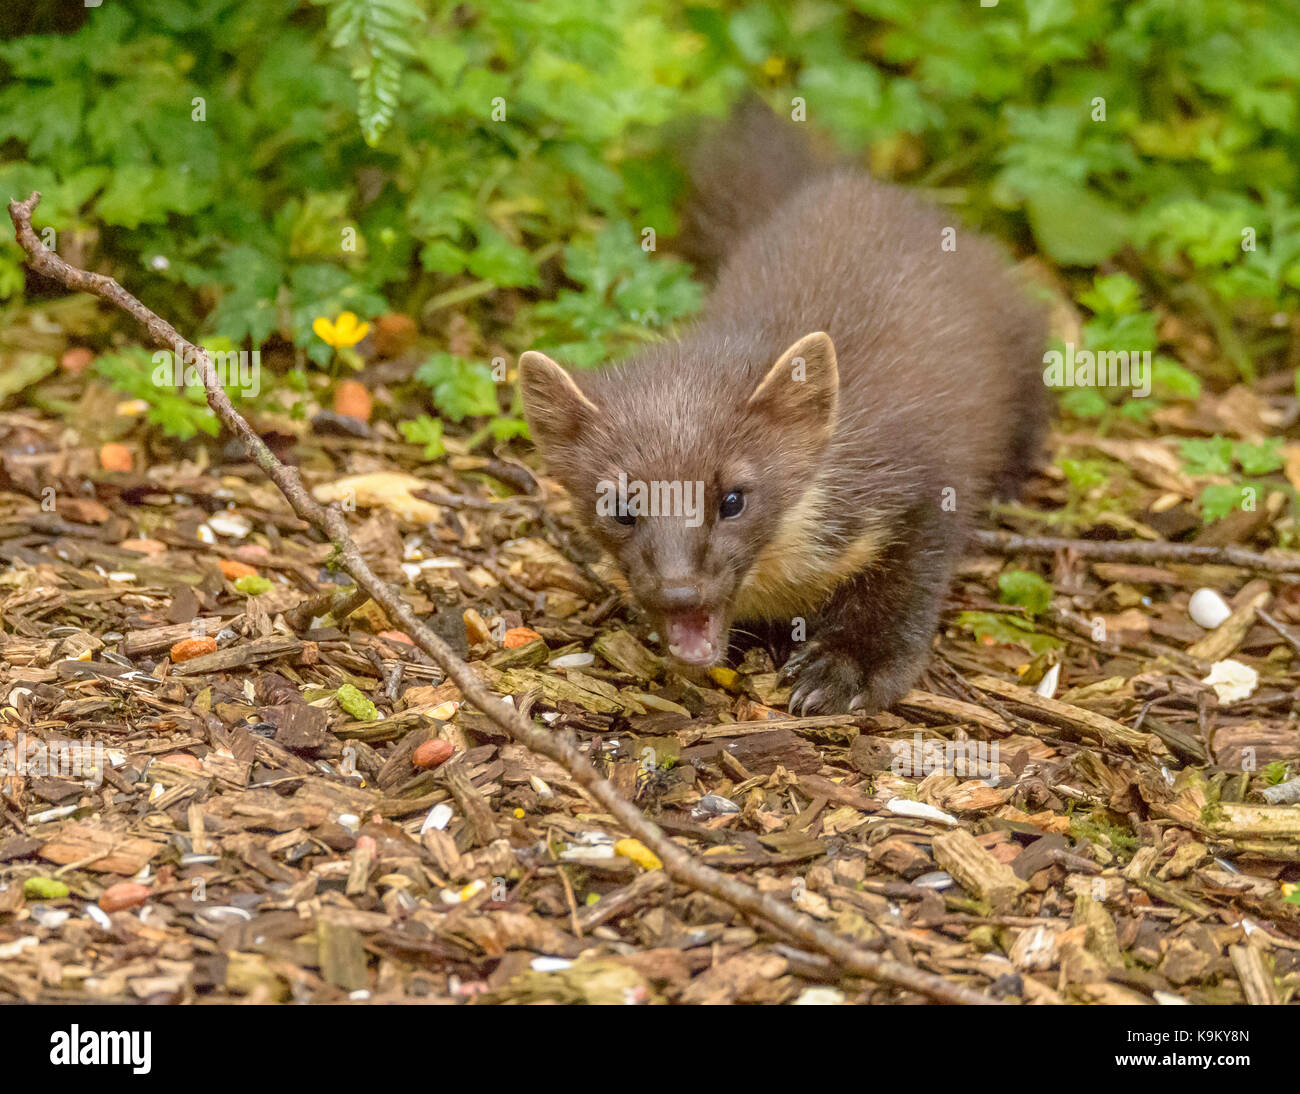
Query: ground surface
x=253 y=839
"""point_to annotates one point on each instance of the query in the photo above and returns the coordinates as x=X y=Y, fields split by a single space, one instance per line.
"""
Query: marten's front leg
x=870 y=643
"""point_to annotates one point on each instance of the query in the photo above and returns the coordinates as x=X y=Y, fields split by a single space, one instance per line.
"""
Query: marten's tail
x=740 y=171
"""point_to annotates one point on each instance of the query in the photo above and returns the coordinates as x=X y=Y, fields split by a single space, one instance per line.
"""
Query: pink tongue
x=689 y=637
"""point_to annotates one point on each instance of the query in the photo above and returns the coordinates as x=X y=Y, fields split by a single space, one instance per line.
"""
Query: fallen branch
x=561 y=749
x=1140 y=551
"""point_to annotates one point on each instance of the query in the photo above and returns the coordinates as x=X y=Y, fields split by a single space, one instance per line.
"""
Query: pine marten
x=808 y=459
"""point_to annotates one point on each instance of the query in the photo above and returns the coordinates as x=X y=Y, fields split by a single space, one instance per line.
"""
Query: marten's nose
x=679 y=596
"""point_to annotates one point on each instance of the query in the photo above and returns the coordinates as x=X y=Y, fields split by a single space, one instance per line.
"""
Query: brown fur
x=927 y=390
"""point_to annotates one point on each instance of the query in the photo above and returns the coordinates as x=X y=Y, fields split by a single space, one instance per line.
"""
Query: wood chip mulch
x=260 y=828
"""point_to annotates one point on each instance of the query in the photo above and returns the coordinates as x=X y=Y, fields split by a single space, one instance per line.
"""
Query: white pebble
x=230 y=524
x=439 y=817
x=57 y=813
x=49 y=918
x=905 y=807
x=1047 y=685
x=550 y=964
x=935 y=879
x=601 y=851
x=819 y=997
x=350 y=821
x=1208 y=609
x=16 y=947
x=1232 y=681
x=222 y=916
x=572 y=661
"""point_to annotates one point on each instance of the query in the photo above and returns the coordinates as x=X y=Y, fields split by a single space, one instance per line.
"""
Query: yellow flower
x=639 y=853
x=773 y=67
x=344 y=331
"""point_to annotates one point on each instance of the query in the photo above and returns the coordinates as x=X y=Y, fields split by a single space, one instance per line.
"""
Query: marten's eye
x=624 y=516
x=732 y=504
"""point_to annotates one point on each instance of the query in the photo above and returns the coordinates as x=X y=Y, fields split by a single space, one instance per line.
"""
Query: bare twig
x=1284 y=632
x=1143 y=551
x=333 y=601
x=562 y=749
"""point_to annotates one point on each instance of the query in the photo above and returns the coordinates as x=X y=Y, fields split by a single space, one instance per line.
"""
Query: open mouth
x=694 y=638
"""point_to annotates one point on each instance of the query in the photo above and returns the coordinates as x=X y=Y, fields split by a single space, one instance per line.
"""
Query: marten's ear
x=801 y=391
x=554 y=405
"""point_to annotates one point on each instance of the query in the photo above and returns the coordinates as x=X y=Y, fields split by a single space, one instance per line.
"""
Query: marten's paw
x=832 y=680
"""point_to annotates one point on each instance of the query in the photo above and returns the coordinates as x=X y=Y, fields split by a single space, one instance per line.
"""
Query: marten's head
x=692 y=469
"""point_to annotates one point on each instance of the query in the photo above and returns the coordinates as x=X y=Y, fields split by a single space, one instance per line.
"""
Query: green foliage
x=288 y=160
x=461 y=389
x=425 y=431
x=1097 y=828
x=1025 y=590
x=1009 y=630
x=180 y=412
x=623 y=290
x=1274 y=772
x=1085 y=474
x=381 y=32
x=1119 y=324
x=249 y=166
x=1223 y=456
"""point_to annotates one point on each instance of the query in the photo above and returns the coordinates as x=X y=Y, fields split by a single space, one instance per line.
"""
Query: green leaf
x=180 y=412
x=1084 y=403
x=1274 y=773
x=1259 y=459
x=461 y=389
x=1218 y=500
x=1170 y=378
x=20 y=370
x=1026 y=590
x=1115 y=294
x=1212 y=456
x=506 y=429
x=426 y=431
x=1076 y=226
x=1008 y=630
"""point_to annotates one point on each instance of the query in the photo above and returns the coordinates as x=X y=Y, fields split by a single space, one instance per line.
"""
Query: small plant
x=1243 y=461
x=1274 y=773
x=1025 y=590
